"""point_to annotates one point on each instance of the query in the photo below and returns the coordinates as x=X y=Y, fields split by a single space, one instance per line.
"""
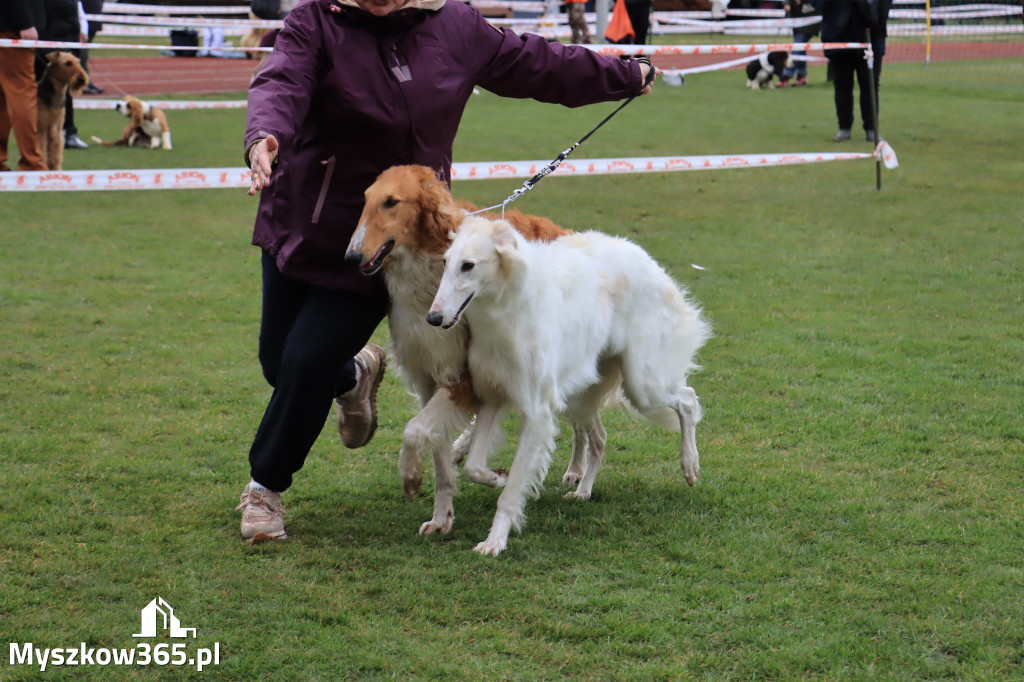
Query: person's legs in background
x=18 y=106
x=799 y=65
x=843 y=64
x=799 y=68
x=71 y=138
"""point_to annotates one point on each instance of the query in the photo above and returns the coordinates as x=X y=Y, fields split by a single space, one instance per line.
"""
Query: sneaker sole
x=260 y=538
x=378 y=377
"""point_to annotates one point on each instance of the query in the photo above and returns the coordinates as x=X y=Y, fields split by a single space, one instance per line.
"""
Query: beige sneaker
x=357 y=409
x=262 y=515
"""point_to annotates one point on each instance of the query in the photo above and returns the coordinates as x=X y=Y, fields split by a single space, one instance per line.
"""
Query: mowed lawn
x=860 y=510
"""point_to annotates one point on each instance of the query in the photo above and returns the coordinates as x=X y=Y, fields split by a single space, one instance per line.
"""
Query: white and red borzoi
x=553 y=325
x=404 y=230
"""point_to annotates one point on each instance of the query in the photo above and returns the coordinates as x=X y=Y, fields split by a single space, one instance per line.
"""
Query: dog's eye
x=390 y=202
x=467 y=266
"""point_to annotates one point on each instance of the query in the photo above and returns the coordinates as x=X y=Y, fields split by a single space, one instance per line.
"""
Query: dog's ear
x=510 y=258
x=437 y=219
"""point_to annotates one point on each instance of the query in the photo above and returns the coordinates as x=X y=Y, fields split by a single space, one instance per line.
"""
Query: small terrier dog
x=63 y=73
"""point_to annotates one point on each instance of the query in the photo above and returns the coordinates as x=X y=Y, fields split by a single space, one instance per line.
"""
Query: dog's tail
x=112 y=143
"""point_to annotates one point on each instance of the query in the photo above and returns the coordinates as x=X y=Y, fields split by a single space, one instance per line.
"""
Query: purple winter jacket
x=349 y=95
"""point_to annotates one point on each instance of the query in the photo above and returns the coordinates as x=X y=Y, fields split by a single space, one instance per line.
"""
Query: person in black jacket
x=91 y=7
x=850 y=21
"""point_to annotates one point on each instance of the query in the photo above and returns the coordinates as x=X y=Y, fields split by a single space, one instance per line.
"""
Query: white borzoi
x=552 y=324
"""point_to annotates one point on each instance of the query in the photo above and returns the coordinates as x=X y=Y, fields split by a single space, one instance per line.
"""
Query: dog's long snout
x=352 y=257
x=434 y=318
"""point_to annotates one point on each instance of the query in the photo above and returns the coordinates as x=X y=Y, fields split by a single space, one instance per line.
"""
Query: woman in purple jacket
x=352 y=88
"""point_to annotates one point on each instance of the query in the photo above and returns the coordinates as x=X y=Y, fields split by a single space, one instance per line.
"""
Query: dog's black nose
x=353 y=258
x=434 y=319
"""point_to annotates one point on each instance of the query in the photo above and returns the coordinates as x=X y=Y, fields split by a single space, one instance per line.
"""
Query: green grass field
x=860 y=514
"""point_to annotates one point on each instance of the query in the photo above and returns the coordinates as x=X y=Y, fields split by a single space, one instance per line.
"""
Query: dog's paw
x=572 y=477
x=692 y=474
x=411 y=485
x=432 y=527
x=489 y=547
x=577 y=495
x=492 y=478
x=500 y=478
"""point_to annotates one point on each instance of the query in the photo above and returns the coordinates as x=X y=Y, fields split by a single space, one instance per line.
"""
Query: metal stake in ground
x=873 y=93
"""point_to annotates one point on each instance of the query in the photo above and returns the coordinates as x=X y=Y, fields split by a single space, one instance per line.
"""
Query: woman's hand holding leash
x=648 y=77
x=262 y=157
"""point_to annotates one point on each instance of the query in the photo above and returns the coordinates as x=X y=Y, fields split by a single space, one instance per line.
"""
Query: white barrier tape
x=698 y=25
x=130 y=8
x=14 y=42
x=956 y=31
x=609 y=50
x=690 y=50
x=523 y=5
x=165 y=104
x=237 y=178
x=184 y=22
x=950 y=15
x=720 y=27
x=659 y=164
x=165 y=178
x=153 y=31
x=732 y=63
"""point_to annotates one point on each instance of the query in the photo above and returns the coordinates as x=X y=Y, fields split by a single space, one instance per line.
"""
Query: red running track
x=148 y=76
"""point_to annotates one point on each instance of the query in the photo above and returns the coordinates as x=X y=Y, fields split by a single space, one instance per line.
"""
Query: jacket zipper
x=323 y=188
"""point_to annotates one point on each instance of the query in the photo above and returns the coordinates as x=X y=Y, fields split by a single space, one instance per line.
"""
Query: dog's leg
x=444 y=493
x=574 y=474
x=430 y=429
x=688 y=408
x=526 y=476
x=44 y=147
x=165 y=138
x=486 y=439
x=444 y=473
x=154 y=142
x=460 y=448
x=597 y=437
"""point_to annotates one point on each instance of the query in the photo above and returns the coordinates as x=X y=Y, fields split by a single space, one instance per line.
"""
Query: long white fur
x=553 y=325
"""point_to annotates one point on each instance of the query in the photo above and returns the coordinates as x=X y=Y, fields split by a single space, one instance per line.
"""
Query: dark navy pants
x=308 y=337
x=846 y=63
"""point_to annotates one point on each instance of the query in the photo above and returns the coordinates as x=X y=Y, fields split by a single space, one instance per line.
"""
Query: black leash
x=548 y=169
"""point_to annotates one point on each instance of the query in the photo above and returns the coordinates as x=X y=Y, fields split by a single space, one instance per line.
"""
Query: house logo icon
x=159 y=611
